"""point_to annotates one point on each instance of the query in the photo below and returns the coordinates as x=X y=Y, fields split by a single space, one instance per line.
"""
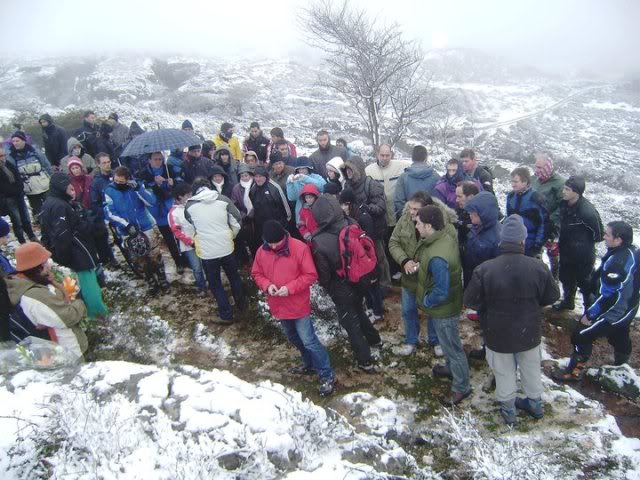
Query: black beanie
x=261 y=170
x=187 y=124
x=419 y=154
x=332 y=188
x=576 y=183
x=272 y=231
x=19 y=134
x=347 y=196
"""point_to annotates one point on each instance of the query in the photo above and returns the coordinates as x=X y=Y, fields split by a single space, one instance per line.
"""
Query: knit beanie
x=261 y=170
x=332 y=188
x=513 y=230
x=272 y=231
x=187 y=125
x=576 y=183
x=19 y=134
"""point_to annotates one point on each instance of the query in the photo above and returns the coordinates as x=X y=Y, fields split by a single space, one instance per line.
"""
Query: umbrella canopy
x=159 y=140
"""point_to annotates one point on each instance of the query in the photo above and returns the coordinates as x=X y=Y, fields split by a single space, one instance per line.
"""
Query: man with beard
x=325 y=152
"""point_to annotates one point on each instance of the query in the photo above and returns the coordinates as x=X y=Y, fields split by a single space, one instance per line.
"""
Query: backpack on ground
x=357 y=254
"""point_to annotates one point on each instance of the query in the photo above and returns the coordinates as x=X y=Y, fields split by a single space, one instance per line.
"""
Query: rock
x=622 y=380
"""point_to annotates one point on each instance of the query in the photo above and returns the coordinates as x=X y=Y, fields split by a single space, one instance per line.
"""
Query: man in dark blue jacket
x=484 y=237
x=102 y=178
x=611 y=314
x=529 y=204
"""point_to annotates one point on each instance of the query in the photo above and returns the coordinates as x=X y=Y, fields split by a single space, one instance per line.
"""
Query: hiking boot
x=164 y=285
x=508 y=412
x=531 y=406
x=396 y=277
x=620 y=358
x=202 y=294
x=437 y=351
x=442 y=371
x=301 y=370
x=478 y=353
x=368 y=368
x=377 y=345
x=327 y=386
x=222 y=321
x=456 y=398
x=564 y=305
x=406 y=350
x=570 y=374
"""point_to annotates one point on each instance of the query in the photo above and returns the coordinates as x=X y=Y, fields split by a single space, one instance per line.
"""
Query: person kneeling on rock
x=284 y=269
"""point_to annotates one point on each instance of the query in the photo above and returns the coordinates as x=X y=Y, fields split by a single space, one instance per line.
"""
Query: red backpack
x=357 y=254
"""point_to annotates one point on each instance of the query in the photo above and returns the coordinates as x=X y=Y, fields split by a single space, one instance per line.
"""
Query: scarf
x=218 y=186
x=547 y=171
x=246 y=200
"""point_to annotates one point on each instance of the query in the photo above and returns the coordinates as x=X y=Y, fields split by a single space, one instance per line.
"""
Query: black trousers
x=617 y=335
x=574 y=275
x=362 y=334
x=170 y=241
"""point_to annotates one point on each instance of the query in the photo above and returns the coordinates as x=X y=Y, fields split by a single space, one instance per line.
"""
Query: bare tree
x=380 y=73
x=239 y=95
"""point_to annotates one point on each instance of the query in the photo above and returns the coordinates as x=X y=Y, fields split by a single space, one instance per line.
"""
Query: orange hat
x=30 y=255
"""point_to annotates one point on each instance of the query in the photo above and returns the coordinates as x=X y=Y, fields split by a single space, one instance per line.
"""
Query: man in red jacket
x=283 y=268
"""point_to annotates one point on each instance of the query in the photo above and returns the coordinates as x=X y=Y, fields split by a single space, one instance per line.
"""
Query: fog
x=557 y=33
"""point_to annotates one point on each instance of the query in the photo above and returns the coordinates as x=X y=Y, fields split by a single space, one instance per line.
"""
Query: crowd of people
x=326 y=218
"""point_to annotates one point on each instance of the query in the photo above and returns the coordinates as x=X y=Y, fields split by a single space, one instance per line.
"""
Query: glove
x=131 y=230
x=290 y=178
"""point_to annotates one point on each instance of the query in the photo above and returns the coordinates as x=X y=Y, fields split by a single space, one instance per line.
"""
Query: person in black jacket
x=580 y=230
x=511 y=290
x=269 y=203
x=67 y=233
x=345 y=295
x=12 y=200
x=104 y=143
x=87 y=134
x=617 y=282
x=195 y=165
x=55 y=140
x=256 y=142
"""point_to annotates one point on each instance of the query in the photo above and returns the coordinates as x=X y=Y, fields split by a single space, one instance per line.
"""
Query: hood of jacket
x=420 y=171
x=356 y=164
x=328 y=214
x=337 y=163
x=309 y=188
x=72 y=142
x=219 y=153
x=205 y=195
x=58 y=185
x=17 y=287
x=486 y=206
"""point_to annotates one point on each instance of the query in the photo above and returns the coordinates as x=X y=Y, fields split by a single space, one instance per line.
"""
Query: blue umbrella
x=159 y=140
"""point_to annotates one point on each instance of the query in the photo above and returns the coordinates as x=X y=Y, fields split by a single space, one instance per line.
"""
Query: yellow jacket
x=233 y=145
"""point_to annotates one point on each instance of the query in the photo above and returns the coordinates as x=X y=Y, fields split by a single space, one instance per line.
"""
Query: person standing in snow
x=75 y=149
x=216 y=222
x=617 y=283
x=418 y=176
x=12 y=202
x=527 y=203
x=325 y=152
x=303 y=175
x=346 y=296
x=246 y=243
x=478 y=172
x=120 y=132
x=268 y=200
x=550 y=185
x=276 y=135
x=257 y=143
x=513 y=330
x=439 y=294
x=580 y=230
x=284 y=270
x=445 y=188
x=68 y=233
x=87 y=134
x=387 y=170
x=54 y=138
x=226 y=139
x=126 y=203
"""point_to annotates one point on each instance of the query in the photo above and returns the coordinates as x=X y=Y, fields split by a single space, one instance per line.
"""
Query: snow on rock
x=123 y=420
x=621 y=379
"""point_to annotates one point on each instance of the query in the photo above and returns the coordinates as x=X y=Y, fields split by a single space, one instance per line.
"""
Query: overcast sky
x=541 y=32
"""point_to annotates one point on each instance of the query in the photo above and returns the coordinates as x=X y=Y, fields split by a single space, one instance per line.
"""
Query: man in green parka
x=439 y=293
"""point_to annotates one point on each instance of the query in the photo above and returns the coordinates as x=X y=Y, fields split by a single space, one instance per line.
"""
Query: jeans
x=212 y=269
x=449 y=335
x=172 y=245
x=375 y=300
x=16 y=208
x=302 y=335
x=196 y=267
x=411 y=320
